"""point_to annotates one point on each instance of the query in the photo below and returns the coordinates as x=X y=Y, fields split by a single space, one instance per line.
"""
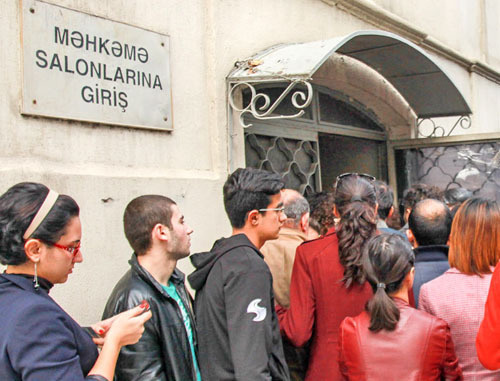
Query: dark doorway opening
x=340 y=154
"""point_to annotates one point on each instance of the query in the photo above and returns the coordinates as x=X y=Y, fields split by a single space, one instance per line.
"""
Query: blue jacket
x=430 y=262
x=38 y=340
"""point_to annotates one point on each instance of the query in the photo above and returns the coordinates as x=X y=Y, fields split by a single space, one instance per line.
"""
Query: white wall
x=93 y=162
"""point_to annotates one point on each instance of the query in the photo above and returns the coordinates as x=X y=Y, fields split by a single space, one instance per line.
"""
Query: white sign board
x=82 y=67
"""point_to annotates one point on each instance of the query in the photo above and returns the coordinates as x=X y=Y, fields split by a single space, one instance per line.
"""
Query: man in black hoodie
x=238 y=331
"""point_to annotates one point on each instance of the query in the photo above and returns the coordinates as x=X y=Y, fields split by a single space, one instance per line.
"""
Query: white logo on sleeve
x=254 y=308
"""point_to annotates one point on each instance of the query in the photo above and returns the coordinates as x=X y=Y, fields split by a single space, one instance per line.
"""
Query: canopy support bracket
x=428 y=128
x=301 y=99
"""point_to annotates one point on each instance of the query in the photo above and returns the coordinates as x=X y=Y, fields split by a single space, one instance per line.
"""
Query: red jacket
x=488 y=336
x=420 y=348
x=319 y=302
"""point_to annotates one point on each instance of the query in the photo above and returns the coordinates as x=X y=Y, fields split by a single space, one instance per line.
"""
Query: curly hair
x=321 y=215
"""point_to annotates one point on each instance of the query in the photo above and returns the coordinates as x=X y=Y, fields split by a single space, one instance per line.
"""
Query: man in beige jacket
x=279 y=255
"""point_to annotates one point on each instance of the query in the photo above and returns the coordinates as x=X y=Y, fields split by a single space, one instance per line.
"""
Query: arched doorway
x=323 y=108
x=335 y=135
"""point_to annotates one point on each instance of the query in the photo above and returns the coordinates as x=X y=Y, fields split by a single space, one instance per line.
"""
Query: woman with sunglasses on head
x=392 y=340
x=40 y=235
x=459 y=295
x=328 y=282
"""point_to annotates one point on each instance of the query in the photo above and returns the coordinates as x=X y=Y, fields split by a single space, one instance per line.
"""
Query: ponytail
x=355 y=199
x=356 y=227
x=384 y=314
x=387 y=259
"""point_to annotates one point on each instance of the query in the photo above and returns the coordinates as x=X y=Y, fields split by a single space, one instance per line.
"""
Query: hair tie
x=381 y=285
x=44 y=209
x=356 y=197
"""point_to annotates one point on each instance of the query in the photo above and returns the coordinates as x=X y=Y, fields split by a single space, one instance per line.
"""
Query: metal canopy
x=407 y=67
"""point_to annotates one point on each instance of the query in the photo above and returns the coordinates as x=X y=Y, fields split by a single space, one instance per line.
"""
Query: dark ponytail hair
x=387 y=259
x=18 y=207
x=355 y=199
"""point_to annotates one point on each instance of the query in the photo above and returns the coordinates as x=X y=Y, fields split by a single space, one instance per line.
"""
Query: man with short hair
x=238 y=332
x=429 y=230
x=155 y=228
x=385 y=200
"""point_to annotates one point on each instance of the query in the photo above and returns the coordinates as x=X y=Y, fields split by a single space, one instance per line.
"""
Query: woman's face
x=56 y=263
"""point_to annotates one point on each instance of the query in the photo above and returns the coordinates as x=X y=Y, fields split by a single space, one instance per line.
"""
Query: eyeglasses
x=363 y=175
x=73 y=250
x=278 y=210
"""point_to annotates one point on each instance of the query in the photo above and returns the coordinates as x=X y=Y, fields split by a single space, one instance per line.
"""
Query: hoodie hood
x=203 y=262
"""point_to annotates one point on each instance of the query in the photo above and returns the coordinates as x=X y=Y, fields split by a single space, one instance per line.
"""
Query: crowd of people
x=338 y=285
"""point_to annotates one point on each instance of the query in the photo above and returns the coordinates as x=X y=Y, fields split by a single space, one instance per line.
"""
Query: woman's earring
x=36 y=286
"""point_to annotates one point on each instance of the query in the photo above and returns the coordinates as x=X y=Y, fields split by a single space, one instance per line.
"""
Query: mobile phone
x=91 y=332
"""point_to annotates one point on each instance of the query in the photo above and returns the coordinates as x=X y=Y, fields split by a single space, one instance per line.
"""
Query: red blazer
x=488 y=336
x=420 y=348
x=319 y=302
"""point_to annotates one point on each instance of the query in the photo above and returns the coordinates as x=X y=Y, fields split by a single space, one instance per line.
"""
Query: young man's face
x=272 y=220
x=180 y=241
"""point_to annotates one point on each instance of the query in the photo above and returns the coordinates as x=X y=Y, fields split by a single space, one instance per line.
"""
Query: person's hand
x=101 y=328
x=127 y=328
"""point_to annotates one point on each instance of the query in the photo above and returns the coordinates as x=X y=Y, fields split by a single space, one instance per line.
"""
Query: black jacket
x=238 y=331
x=163 y=352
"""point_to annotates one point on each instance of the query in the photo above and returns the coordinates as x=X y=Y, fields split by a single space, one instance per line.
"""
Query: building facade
x=406 y=91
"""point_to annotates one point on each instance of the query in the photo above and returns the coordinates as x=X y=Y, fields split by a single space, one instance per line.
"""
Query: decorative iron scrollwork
x=301 y=99
x=436 y=130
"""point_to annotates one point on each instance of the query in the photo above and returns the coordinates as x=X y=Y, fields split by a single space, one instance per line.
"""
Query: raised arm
x=126 y=329
x=296 y=323
x=142 y=360
x=46 y=349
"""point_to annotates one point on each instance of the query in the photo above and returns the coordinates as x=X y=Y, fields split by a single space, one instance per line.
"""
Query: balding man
x=279 y=254
x=416 y=193
x=429 y=230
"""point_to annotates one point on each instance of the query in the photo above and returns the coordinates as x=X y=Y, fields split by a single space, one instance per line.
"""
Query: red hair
x=475 y=237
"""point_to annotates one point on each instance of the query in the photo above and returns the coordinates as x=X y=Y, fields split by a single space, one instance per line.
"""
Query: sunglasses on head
x=362 y=175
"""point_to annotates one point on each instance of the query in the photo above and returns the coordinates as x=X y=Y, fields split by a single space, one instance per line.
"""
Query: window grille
x=295 y=160
x=472 y=166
